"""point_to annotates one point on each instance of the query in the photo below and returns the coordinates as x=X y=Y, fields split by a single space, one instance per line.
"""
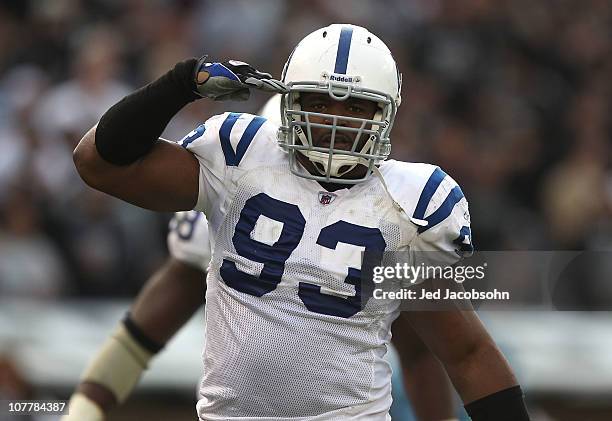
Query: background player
x=166 y=302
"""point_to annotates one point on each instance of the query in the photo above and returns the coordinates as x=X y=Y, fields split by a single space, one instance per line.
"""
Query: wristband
x=140 y=336
x=505 y=405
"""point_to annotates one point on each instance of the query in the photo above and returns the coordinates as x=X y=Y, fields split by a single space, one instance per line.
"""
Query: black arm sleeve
x=505 y=405
x=130 y=128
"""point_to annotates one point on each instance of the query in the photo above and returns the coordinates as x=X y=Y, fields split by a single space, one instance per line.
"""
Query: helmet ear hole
x=324 y=34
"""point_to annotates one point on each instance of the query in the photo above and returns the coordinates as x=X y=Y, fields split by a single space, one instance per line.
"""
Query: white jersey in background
x=188 y=239
x=286 y=335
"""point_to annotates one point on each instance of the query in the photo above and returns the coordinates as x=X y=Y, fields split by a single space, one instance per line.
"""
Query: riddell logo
x=342 y=78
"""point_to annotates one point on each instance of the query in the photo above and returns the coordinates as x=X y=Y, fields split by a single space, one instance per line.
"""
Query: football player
x=166 y=302
x=290 y=212
x=113 y=372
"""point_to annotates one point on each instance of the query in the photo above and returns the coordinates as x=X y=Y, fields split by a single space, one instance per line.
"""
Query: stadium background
x=511 y=97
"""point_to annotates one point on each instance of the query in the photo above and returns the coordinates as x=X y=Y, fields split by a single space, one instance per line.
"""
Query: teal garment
x=401 y=410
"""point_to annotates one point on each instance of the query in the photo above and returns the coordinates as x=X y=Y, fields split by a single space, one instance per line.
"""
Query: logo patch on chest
x=325 y=198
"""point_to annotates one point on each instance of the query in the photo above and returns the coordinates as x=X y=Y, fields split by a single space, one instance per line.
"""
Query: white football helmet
x=272 y=109
x=342 y=61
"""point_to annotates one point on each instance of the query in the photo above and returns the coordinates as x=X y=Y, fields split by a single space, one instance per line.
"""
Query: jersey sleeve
x=188 y=239
x=223 y=145
x=437 y=209
x=445 y=236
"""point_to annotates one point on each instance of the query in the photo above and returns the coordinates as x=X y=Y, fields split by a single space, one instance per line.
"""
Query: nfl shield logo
x=325 y=198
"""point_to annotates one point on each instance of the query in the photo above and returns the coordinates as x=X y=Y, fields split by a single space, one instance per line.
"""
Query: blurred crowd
x=513 y=98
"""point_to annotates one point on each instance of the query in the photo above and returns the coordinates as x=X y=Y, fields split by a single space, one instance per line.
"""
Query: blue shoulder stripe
x=196 y=133
x=233 y=158
x=224 y=135
x=344 y=46
x=248 y=136
x=444 y=210
x=435 y=179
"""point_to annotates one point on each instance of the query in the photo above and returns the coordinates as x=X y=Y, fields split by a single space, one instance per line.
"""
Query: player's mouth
x=341 y=141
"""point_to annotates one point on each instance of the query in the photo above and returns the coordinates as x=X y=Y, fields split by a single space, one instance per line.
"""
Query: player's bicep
x=166 y=179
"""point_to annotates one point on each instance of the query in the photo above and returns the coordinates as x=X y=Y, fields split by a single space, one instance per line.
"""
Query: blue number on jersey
x=274 y=257
x=330 y=236
x=464 y=241
x=193 y=135
x=185 y=224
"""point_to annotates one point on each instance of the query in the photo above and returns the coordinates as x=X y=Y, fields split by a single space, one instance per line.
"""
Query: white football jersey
x=188 y=239
x=287 y=336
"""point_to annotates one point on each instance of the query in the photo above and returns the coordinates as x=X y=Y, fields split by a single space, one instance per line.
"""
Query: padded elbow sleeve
x=119 y=363
x=130 y=128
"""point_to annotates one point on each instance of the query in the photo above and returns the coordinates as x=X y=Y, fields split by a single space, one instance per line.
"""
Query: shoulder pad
x=188 y=239
x=425 y=192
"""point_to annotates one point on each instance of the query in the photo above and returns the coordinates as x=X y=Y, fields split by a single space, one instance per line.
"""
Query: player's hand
x=232 y=80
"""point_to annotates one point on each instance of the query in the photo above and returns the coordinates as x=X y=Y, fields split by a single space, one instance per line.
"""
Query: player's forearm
x=168 y=300
x=488 y=386
x=480 y=372
x=130 y=128
x=475 y=365
x=111 y=375
x=123 y=156
x=100 y=395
